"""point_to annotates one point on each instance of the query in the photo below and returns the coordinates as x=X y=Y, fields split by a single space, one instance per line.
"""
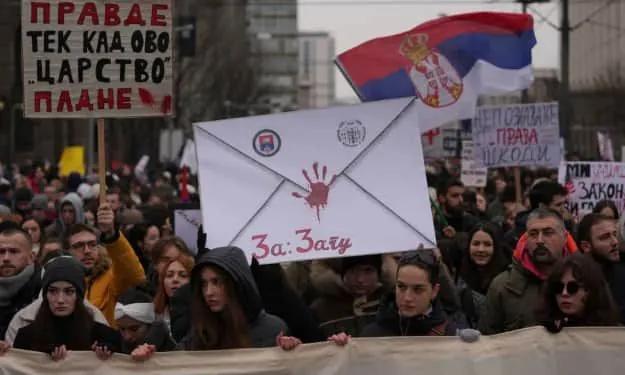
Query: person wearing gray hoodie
x=71 y=211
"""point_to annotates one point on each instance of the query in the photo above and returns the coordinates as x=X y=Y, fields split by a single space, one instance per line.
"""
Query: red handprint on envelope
x=319 y=190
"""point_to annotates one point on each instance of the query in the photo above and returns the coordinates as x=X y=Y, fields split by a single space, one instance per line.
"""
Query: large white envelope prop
x=342 y=181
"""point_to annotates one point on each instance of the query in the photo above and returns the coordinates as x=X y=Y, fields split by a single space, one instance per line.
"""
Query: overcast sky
x=352 y=22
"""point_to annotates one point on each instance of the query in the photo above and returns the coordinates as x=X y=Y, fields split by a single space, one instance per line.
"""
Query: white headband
x=143 y=312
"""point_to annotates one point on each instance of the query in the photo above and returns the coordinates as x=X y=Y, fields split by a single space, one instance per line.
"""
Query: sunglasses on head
x=425 y=257
x=572 y=287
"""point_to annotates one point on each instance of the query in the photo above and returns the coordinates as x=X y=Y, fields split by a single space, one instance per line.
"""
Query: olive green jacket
x=511 y=301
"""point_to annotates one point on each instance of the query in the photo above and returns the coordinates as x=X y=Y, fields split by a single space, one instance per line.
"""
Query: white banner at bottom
x=534 y=351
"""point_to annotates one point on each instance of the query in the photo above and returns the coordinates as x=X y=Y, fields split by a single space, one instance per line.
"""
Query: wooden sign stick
x=102 y=160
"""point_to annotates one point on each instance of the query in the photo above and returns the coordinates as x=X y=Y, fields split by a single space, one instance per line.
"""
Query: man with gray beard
x=514 y=295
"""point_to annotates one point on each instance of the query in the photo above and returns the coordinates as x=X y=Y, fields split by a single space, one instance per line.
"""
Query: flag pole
x=102 y=160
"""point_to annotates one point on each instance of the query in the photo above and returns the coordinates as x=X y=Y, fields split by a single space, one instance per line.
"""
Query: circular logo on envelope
x=267 y=143
x=351 y=133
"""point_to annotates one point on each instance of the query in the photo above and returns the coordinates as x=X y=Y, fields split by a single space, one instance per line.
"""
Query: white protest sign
x=606 y=151
x=442 y=142
x=591 y=182
x=98 y=58
x=186 y=225
x=471 y=175
x=517 y=135
x=333 y=182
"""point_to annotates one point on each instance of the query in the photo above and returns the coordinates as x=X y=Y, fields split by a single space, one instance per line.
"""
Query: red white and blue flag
x=446 y=63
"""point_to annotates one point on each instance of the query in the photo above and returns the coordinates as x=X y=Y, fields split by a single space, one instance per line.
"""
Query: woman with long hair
x=175 y=274
x=576 y=294
x=226 y=308
x=483 y=260
x=62 y=322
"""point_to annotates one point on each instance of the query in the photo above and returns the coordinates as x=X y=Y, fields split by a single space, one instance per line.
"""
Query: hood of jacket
x=76 y=202
x=522 y=256
x=520 y=221
x=232 y=261
x=421 y=325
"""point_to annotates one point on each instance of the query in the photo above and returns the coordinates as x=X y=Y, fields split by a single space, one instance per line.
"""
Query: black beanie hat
x=64 y=268
x=370 y=260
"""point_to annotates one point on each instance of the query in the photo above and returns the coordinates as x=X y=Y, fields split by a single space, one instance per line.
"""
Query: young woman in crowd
x=164 y=251
x=606 y=208
x=175 y=274
x=33 y=227
x=413 y=309
x=226 y=308
x=481 y=262
x=576 y=294
x=139 y=325
x=62 y=322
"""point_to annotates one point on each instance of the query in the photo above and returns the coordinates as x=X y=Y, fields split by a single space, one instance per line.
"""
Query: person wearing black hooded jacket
x=278 y=298
x=413 y=309
x=226 y=308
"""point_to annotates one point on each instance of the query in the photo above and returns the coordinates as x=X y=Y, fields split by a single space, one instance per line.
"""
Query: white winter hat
x=85 y=191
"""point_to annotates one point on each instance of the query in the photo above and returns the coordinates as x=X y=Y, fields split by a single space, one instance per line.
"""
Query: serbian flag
x=445 y=63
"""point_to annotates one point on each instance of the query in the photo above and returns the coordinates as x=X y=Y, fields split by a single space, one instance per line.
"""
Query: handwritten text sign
x=325 y=183
x=470 y=174
x=517 y=135
x=591 y=182
x=87 y=59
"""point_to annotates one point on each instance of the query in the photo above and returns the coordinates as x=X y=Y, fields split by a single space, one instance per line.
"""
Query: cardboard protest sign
x=470 y=174
x=442 y=142
x=591 y=182
x=72 y=160
x=97 y=59
x=334 y=182
x=517 y=135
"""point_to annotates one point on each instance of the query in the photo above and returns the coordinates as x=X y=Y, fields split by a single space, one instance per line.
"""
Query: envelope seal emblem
x=351 y=133
x=267 y=143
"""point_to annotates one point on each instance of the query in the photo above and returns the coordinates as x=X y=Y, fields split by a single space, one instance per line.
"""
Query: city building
x=316 y=70
x=597 y=74
x=273 y=36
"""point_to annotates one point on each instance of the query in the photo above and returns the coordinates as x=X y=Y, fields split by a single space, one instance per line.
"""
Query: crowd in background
x=111 y=276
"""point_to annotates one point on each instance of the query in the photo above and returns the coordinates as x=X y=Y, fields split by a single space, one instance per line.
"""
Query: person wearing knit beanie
x=64 y=268
x=63 y=323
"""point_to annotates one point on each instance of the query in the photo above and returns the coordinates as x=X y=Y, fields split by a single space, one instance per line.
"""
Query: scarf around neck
x=10 y=286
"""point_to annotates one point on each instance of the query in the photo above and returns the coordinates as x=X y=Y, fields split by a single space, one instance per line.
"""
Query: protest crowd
x=112 y=277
